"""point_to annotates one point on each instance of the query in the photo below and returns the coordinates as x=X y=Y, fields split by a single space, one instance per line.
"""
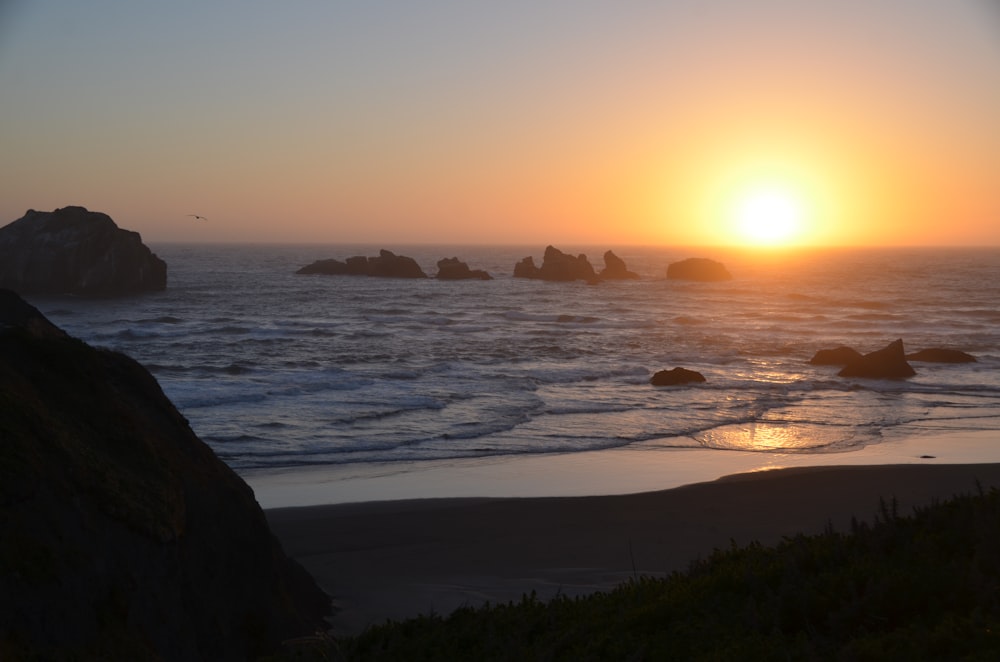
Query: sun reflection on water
x=771 y=436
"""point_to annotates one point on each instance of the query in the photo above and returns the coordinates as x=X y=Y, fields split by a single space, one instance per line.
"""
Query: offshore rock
x=385 y=265
x=526 y=268
x=700 y=269
x=939 y=355
x=73 y=251
x=840 y=356
x=560 y=266
x=556 y=266
x=330 y=267
x=451 y=268
x=122 y=535
x=887 y=363
x=615 y=269
x=390 y=265
x=676 y=377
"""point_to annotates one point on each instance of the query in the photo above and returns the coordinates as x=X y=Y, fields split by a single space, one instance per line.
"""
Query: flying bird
x=197 y=217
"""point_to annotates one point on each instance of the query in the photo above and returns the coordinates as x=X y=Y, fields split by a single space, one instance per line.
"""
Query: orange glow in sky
x=770 y=123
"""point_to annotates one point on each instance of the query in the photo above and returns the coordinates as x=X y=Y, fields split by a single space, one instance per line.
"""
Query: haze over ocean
x=278 y=370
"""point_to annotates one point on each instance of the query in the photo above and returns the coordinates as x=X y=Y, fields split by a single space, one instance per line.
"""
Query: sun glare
x=768 y=217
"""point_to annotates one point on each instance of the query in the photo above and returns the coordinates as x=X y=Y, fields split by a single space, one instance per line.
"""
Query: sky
x=566 y=122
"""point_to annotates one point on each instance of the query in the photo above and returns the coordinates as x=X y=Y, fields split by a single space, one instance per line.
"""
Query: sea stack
x=385 y=265
x=699 y=269
x=451 y=268
x=556 y=266
x=615 y=268
x=74 y=251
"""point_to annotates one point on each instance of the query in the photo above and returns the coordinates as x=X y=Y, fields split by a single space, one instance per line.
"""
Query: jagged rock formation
x=122 y=535
x=839 y=356
x=845 y=355
x=698 y=268
x=385 y=265
x=676 y=377
x=887 y=363
x=939 y=355
x=77 y=252
x=615 y=269
x=526 y=268
x=451 y=268
x=557 y=266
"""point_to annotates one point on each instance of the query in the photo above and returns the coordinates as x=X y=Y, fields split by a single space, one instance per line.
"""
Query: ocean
x=279 y=370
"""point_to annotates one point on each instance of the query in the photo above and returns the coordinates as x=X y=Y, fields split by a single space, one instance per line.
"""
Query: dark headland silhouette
x=122 y=535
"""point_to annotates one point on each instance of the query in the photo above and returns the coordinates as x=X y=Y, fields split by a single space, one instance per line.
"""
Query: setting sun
x=768 y=217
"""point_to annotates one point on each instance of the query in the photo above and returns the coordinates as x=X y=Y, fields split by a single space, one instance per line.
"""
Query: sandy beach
x=397 y=559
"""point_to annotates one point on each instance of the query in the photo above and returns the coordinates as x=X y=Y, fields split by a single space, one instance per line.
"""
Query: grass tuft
x=925 y=586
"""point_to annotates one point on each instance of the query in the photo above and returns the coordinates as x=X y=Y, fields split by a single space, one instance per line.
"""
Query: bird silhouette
x=197 y=217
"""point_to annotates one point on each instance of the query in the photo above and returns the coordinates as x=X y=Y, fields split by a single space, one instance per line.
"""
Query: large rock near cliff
x=698 y=268
x=615 y=269
x=385 y=265
x=887 y=363
x=556 y=266
x=122 y=535
x=78 y=252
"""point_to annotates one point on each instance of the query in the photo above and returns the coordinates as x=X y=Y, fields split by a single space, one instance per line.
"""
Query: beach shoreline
x=636 y=468
x=398 y=559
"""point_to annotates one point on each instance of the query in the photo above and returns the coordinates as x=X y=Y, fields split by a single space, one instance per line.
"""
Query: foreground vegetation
x=924 y=586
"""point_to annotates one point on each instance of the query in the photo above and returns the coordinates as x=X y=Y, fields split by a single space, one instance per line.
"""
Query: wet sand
x=398 y=559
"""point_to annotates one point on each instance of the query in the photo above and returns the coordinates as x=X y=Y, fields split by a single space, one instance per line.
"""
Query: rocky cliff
x=79 y=252
x=122 y=535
